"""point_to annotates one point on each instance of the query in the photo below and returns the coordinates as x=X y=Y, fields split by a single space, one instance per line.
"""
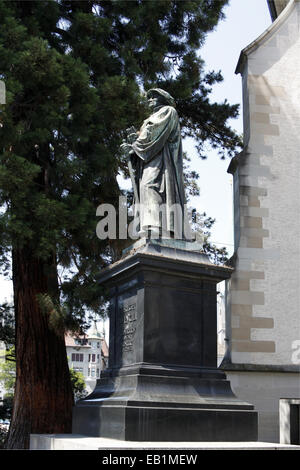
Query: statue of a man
x=156 y=154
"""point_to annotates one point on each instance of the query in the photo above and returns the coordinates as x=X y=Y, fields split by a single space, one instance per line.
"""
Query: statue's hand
x=131 y=130
x=132 y=134
x=126 y=149
x=132 y=137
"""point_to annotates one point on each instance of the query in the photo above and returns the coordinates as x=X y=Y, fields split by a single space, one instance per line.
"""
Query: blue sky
x=245 y=21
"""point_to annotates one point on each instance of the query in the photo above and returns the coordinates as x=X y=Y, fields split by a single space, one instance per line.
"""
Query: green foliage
x=201 y=225
x=74 y=72
x=7 y=329
x=8 y=372
x=6 y=408
x=190 y=178
x=3 y=436
x=59 y=318
x=78 y=384
x=8 y=377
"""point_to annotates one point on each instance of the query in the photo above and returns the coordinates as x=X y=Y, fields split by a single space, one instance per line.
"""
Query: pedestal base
x=162 y=383
x=130 y=423
x=144 y=403
x=146 y=407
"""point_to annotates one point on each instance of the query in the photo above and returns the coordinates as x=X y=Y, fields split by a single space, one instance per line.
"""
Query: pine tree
x=73 y=72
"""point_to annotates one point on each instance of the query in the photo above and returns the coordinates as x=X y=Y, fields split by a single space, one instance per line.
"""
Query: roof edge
x=272 y=9
x=264 y=36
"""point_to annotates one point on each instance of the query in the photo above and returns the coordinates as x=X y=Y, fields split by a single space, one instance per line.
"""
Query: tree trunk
x=43 y=397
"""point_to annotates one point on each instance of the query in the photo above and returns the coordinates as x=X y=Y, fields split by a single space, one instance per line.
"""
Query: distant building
x=87 y=354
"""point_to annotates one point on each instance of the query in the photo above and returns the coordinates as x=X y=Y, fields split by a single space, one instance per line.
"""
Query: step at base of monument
x=130 y=423
x=80 y=442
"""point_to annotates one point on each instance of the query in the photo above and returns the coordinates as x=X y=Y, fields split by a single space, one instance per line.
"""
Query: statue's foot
x=150 y=232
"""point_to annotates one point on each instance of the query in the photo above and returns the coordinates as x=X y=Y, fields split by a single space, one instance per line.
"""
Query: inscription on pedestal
x=130 y=317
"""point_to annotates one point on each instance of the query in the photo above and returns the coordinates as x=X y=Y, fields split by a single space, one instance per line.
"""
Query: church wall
x=264 y=389
x=263 y=304
x=265 y=286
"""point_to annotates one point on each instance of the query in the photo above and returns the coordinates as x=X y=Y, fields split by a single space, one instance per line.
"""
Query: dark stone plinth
x=162 y=383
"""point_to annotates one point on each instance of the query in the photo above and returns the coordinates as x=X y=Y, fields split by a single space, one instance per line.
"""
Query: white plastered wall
x=265 y=302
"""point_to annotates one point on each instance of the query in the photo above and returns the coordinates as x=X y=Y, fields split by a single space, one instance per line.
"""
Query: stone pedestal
x=162 y=383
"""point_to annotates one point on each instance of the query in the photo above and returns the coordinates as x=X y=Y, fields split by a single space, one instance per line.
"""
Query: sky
x=245 y=21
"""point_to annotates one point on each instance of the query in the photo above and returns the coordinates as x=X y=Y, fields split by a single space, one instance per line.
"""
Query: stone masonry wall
x=264 y=291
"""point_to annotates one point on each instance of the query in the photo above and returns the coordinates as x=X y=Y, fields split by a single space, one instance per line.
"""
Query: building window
x=93 y=372
x=76 y=357
x=98 y=344
x=92 y=357
x=78 y=369
x=80 y=341
x=97 y=372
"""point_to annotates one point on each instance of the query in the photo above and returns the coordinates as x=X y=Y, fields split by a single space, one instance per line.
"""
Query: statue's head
x=158 y=97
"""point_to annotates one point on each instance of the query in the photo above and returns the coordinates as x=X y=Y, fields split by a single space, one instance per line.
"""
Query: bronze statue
x=155 y=153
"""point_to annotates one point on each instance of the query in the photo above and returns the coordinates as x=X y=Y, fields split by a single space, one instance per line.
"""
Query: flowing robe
x=159 y=172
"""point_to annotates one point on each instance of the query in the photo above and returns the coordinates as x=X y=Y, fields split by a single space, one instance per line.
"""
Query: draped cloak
x=159 y=172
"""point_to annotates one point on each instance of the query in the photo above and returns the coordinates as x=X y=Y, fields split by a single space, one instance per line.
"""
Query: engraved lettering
x=130 y=317
x=127 y=308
